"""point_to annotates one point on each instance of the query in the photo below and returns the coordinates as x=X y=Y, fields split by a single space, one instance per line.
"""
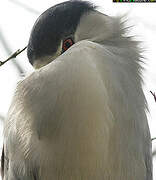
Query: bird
x=81 y=114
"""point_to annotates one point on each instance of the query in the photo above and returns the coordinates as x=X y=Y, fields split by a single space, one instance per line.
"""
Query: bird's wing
x=61 y=104
x=76 y=115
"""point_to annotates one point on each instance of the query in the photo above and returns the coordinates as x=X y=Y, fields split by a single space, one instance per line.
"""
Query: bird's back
x=79 y=118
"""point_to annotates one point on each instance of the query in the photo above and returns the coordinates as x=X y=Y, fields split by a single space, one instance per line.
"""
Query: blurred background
x=17 y=18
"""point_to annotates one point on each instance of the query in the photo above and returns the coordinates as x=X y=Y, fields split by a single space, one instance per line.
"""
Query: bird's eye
x=67 y=44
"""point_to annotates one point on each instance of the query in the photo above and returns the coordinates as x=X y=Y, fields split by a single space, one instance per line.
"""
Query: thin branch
x=154 y=95
x=8 y=50
x=26 y=7
x=13 y=56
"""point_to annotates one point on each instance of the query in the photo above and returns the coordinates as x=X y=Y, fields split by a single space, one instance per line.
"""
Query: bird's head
x=59 y=27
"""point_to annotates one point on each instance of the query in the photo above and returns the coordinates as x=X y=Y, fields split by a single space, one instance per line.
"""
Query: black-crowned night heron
x=81 y=114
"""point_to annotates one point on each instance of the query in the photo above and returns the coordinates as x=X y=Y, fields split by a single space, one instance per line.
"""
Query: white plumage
x=82 y=116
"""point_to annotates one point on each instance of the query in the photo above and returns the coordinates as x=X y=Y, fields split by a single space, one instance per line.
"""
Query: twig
x=154 y=152
x=154 y=95
x=8 y=50
x=13 y=56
